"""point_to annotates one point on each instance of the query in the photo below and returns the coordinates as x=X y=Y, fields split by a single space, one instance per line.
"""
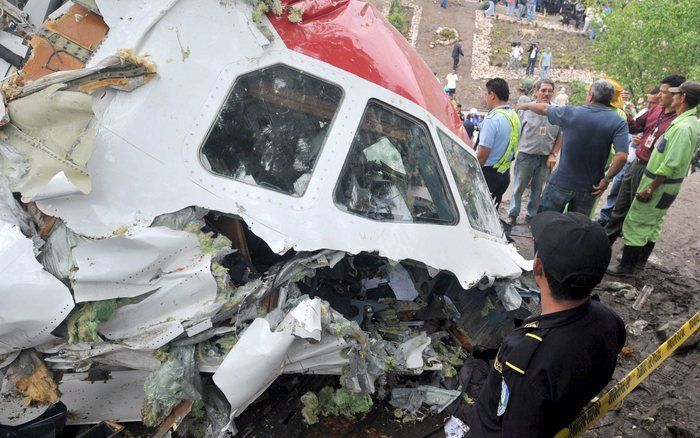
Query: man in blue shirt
x=588 y=132
x=545 y=63
x=498 y=139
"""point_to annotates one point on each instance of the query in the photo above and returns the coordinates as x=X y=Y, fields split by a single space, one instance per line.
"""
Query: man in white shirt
x=451 y=83
x=516 y=55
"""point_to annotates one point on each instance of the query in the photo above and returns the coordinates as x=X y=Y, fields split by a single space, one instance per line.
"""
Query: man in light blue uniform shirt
x=498 y=139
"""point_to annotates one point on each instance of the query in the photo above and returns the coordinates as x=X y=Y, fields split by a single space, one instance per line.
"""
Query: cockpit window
x=472 y=187
x=392 y=172
x=271 y=128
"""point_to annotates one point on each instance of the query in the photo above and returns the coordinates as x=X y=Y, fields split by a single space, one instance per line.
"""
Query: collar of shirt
x=690 y=113
x=557 y=319
x=499 y=107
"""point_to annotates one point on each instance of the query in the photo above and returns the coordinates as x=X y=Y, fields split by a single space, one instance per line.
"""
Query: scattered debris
x=410 y=400
x=455 y=428
x=643 y=296
x=39 y=387
x=637 y=327
x=310 y=410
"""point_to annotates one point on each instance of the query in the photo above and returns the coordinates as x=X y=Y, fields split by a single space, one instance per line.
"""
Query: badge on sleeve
x=661 y=145
x=503 y=400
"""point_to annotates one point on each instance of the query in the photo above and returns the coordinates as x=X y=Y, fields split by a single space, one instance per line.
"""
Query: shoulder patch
x=503 y=399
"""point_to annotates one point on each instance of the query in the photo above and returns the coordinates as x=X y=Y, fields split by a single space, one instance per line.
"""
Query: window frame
x=433 y=151
x=498 y=237
x=331 y=126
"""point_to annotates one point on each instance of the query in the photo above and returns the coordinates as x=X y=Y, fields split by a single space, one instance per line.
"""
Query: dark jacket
x=547 y=370
x=457 y=51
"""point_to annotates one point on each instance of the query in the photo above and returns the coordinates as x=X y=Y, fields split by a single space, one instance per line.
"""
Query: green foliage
x=449 y=33
x=264 y=6
x=527 y=84
x=296 y=14
x=649 y=39
x=397 y=16
x=577 y=93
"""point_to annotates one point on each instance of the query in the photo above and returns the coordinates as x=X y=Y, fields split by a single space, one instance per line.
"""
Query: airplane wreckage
x=197 y=197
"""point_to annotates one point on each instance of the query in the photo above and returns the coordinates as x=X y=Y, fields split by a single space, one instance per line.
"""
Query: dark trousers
x=497 y=183
x=455 y=63
x=530 y=69
x=555 y=198
x=628 y=189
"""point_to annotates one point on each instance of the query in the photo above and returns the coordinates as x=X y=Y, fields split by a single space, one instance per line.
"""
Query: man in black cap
x=547 y=370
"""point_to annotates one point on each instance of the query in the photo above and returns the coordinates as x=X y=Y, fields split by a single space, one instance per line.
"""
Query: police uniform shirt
x=547 y=370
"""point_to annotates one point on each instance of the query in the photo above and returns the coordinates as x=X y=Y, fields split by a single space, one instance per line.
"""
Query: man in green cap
x=662 y=179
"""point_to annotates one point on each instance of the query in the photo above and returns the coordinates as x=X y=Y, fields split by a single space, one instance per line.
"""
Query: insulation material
x=34 y=301
x=83 y=322
x=90 y=401
x=176 y=380
x=27 y=390
x=53 y=131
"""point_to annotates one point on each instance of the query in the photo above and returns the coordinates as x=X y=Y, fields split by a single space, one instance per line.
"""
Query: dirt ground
x=460 y=15
x=667 y=403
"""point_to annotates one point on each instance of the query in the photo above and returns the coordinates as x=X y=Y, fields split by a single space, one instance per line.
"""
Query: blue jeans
x=544 y=72
x=492 y=8
x=606 y=211
x=443 y=4
x=527 y=168
x=555 y=198
x=511 y=9
x=530 y=12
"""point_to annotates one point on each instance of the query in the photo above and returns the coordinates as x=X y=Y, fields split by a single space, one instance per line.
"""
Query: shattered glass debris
x=271 y=129
x=392 y=172
x=472 y=187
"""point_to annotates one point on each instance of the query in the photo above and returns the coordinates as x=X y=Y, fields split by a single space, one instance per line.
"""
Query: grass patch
x=400 y=17
x=568 y=50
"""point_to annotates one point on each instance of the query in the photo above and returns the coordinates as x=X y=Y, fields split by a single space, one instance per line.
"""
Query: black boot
x=630 y=255
x=644 y=255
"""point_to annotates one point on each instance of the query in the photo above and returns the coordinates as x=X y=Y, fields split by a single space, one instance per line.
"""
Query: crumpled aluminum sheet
x=34 y=301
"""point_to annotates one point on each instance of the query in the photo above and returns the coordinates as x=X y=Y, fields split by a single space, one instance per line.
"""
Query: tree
x=648 y=39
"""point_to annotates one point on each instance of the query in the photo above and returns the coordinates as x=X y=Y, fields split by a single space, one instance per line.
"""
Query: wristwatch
x=556 y=155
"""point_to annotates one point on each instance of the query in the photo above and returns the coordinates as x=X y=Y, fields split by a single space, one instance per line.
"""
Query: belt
x=642 y=162
x=666 y=181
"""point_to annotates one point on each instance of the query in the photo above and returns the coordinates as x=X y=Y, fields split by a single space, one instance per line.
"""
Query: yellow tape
x=613 y=397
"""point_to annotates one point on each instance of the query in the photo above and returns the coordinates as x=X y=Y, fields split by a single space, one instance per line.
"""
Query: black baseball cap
x=573 y=249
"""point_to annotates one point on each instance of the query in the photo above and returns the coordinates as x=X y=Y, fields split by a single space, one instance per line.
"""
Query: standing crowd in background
x=569 y=155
